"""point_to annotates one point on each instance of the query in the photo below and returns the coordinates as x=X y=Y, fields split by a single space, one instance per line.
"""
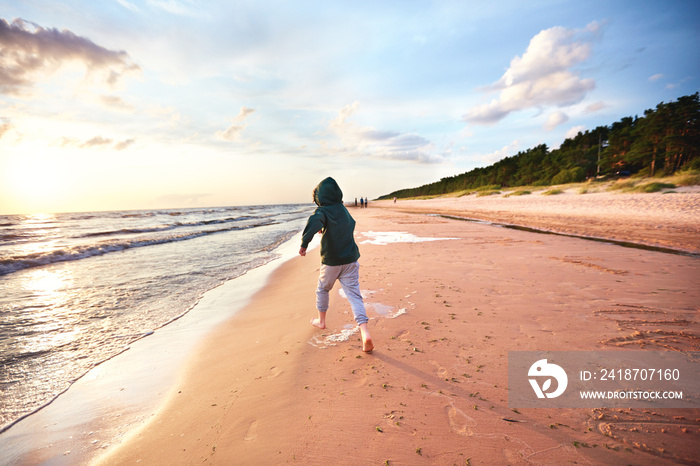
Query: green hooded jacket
x=338 y=245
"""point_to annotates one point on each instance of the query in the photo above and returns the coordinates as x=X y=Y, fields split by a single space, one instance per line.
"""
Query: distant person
x=366 y=202
x=355 y=202
x=362 y=203
x=339 y=255
x=394 y=199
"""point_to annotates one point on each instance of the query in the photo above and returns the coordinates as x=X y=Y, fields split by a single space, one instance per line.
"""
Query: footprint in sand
x=361 y=382
x=252 y=433
x=274 y=372
x=441 y=371
x=459 y=422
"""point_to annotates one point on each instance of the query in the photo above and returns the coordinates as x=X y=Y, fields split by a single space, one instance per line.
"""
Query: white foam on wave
x=389 y=237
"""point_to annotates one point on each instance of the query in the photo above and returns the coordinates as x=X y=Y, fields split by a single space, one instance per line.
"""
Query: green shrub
x=643 y=173
x=571 y=175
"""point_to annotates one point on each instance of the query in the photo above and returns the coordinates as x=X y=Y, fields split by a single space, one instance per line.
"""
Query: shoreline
x=266 y=387
x=118 y=395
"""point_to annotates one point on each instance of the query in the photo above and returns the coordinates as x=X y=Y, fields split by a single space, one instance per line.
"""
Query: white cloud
x=116 y=103
x=543 y=76
x=555 y=119
x=31 y=52
x=124 y=144
x=176 y=7
x=96 y=142
x=573 y=132
x=359 y=140
x=5 y=126
x=592 y=108
x=503 y=152
x=233 y=132
x=656 y=77
x=128 y=5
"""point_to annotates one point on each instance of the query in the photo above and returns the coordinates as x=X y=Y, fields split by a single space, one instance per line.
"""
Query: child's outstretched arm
x=315 y=224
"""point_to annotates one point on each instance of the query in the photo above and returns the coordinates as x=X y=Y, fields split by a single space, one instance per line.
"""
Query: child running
x=339 y=255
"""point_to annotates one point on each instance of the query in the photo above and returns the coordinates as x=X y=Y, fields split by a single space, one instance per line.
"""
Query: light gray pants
x=349 y=277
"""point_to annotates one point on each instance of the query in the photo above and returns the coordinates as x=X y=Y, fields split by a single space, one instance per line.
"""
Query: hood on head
x=328 y=192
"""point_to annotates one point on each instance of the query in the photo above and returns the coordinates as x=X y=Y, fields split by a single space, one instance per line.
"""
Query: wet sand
x=268 y=388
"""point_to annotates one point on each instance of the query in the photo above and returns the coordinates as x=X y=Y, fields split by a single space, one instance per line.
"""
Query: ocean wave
x=278 y=242
x=160 y=228
x=15 y=264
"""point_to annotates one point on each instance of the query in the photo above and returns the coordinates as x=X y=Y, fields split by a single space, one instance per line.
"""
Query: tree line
x=666 y=139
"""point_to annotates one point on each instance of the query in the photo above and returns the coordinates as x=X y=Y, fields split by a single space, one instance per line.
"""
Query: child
x=339 y=255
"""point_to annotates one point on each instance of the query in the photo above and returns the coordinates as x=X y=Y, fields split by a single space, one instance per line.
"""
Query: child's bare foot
x=316 y=322
x=367 y=345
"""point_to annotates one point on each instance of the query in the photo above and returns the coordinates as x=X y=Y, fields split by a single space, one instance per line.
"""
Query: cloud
x=30 y=52
x=592 y=108
x=5 y=126
x=543 y=76
x=555 y=119
x=94 y=142
x=124 y=144
x=97 y=141
x=656 y=77
x=233 y=132
x=573 y=132
x=181 y=199
x=175 y=7
x=356 y=140
x=501 y=153
x=129 y=6
x=116 y=102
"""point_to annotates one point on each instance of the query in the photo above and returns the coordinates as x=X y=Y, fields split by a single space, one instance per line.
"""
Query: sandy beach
x=670 y=220
x=268 y=388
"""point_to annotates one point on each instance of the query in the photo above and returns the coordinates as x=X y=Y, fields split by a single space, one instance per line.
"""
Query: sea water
x=76 y=289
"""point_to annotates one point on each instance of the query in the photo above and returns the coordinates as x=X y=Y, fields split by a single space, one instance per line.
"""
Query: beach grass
x=656 y=187
x=553 y=191
x=487 y=193
x=641 y=186
x=518 y=192
x=634 y=184
x=686 y=178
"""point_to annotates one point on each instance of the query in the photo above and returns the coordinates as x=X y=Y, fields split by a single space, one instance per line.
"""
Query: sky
x=144 y=104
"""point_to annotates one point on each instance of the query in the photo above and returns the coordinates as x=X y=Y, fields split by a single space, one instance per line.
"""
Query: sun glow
x=37 y=182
